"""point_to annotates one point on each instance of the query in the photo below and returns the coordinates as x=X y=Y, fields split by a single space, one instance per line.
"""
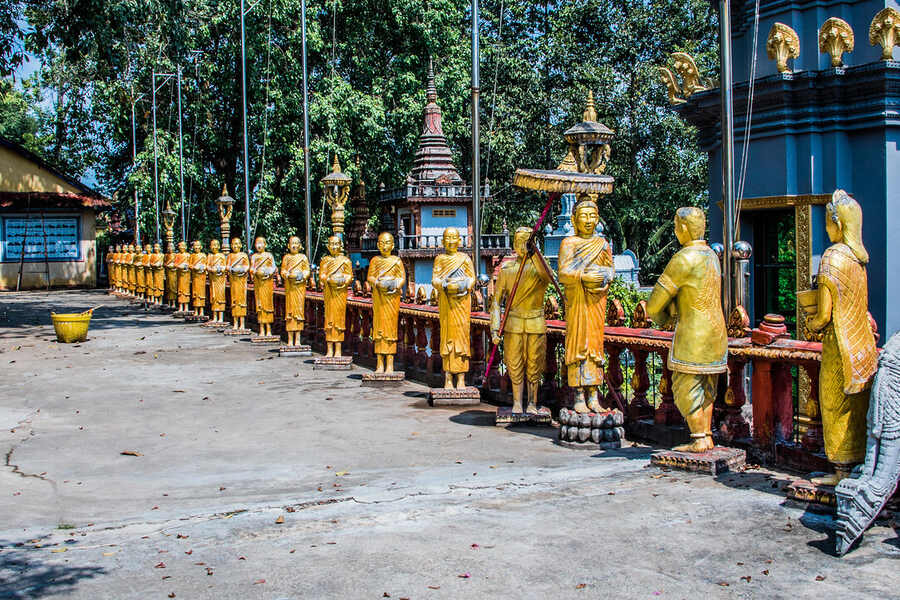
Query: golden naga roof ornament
x=783 y=43
x=835 y=39
x=668 y=78
x=885 y=31
x=685 y=66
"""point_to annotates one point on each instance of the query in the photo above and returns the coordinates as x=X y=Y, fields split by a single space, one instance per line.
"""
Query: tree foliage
x=367 y=66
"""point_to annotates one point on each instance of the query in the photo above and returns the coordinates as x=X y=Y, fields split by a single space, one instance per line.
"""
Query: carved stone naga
x=861 y=497
x=836 y=39
x=885 y=31
x=783 y=43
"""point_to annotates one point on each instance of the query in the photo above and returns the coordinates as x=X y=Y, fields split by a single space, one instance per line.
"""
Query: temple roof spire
x=434 y=159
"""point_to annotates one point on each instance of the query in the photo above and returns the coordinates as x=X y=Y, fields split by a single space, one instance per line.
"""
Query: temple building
x=433 y=198
x=48 y=223
x=825 y=106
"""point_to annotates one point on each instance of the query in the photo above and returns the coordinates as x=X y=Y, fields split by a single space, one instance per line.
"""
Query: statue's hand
x=452 y=288
x=495 y=337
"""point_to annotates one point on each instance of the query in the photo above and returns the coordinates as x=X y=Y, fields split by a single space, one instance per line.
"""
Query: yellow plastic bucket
x=71 y=327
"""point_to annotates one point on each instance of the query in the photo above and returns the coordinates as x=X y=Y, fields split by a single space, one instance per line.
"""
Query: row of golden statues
x=688 y=293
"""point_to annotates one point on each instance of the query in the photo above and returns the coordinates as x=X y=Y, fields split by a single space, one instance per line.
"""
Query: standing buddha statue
x=140 y=284
x=215 y=266
x=262 y=269
x=158 y=274
x=197 y=265
x=387 y=277
x=148 y=274
x=171 y=276
x=585 y=271
x=336 y=273
x=114 y=267
x=129 y=269
x=294 y=274
x=183 y=268
x=453 y=276
x=849 y=355
x=238 y=264
x=689 y=292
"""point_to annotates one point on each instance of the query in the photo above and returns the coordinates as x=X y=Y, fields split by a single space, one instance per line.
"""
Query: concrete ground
x=258 y=477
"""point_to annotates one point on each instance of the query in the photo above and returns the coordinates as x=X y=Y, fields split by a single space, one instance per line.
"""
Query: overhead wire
x=748 y=122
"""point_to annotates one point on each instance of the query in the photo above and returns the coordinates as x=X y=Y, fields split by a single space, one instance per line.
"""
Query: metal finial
x=336 y=166
x=431 y=91
x=589 y=113
x=224 y=189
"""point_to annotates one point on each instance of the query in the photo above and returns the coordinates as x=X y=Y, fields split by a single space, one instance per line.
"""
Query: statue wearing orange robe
x=336 y=272
x=197 y=265
x=294 y=274
x=237 y=263
x=215 y=266
x=183 y=269
x=387 y=276
x=262 y=268
x=453 y=276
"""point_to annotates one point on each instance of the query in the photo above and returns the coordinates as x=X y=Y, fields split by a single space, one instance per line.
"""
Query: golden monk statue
x=262 y=269
x=183 y=268
x=294 y=273
x=110 y=257
x=197 y=264
x=453 y=276
x=690 y=291
x=140 y=284
x=387 y=277
x=171 y=276
x=215 y=266
x=849 y=356
x=158 y=274
x=525 y=334
x=238 y=265
x=148 y=274
x=585 y=271
x=335 y=272
x=130 y=270
x=113 y=267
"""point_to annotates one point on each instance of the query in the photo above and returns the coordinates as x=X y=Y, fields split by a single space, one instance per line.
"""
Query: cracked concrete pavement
x=258 y=477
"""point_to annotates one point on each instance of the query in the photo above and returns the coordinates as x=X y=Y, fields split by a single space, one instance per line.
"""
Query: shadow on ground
x=24 y=575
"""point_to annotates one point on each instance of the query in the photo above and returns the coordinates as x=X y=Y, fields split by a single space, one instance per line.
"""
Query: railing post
x=763 y=405
x=436 y=360
x=813 y=439
x=614 y=378
x=666 y=413
x=782 y=385
x=421 y=345
x=639 y=408
x=735 y=425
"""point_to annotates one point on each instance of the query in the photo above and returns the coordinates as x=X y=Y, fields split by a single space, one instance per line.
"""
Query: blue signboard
x=61 y=238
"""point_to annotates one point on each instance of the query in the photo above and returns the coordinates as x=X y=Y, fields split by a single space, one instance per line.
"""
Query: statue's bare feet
x=697 y=445
x=517 y=408
x=531 y=409
x=581 y=408
x=594 y=405
x=832 y=479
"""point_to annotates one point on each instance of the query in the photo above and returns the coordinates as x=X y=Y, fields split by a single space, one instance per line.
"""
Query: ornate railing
x=491 y=241
x=781 y=425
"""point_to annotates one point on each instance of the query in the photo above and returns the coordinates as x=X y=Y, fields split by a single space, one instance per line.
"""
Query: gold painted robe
x=849 y=356
x=455 y=311
x=182 y=266
x=335 y=298
x=129 y=271
x=140 y=283
x=198 y=279
x=385 y=307
x=215 y=266
x=159 y=274
x=238 y=282
x=294 y=292
x=171 y=276
x=585 y=307
x=263 y=286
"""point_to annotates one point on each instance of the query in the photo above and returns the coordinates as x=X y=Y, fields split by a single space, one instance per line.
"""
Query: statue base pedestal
x=807 y=492
x=295 y=351
x=713 y=462
x=505 y=417
x=196 y=318
x=383 y=379
x=333 y=363
x=467 y=396
x=591 y=431
x=230 y=331
x=213 y=324
x=265 y=339
x=181 y=314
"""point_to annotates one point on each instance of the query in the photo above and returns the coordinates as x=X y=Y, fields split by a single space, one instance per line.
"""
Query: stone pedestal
x=181 y=314
x=192 y=318
x=467 y=396
x=265 y=339
x=294 y=351
x=807 y=492
x=505 y=417
x=333 y=363
x=591 y=431
x=213 y=325
x=714 y=461
x=230 y=331
x=391 y=379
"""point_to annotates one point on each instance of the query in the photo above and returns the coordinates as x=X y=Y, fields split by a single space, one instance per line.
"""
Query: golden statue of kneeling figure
x=690 y=291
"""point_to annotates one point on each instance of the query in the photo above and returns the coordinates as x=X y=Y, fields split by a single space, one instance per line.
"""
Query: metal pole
x=476 y=155
x=249 y=242
x=728 y=198
x=184 y=235
x=137 y=201
x=155 y=165
x=309 y=248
